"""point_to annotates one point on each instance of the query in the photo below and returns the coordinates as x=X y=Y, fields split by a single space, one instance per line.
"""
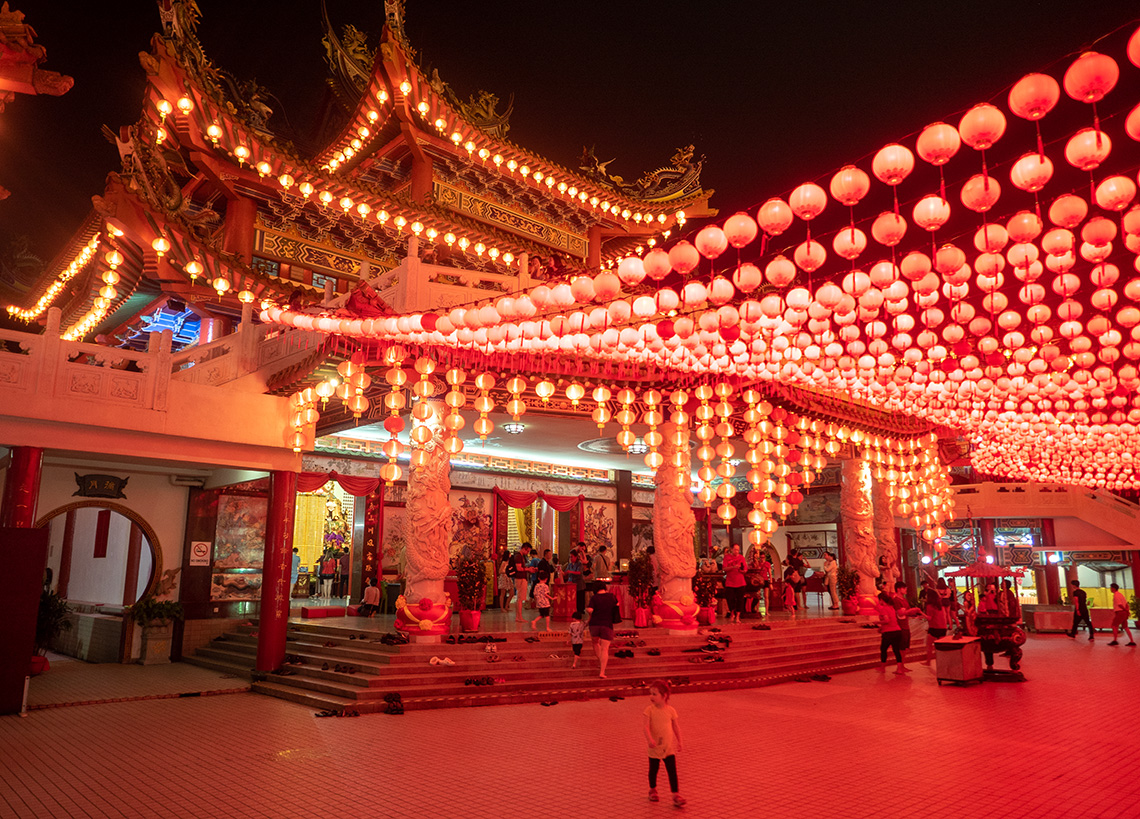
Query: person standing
x=1080 y=601
x=791 y=576
x=795 y=561
x=831 y=577
x=601 y=565
x=1120 y=615
x=576 y=573
x=506 y=583
x=328 y=573
x=734 y=582
x=520 y=562
x=890 y=635
x=603 y=610
x=664 y=737
x=1008 y=597
x=759 y=579
x=937 y=623
x=295 y=572
x=577 y=636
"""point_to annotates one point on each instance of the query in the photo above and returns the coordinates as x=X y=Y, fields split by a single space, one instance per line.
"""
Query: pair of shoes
x=653 y=797
x=329 y=644
x=625 y=652
x=493 y=658
x=283 y=672
x=616 y=699
x=762 y=627
x=394 y=708
x=532 y=639
x=711 y=648
x=328 y=712
x=349 y=712
x=654 y=652
x=821 y=678
x=450 y=639
x=1131 y=643
x=1114 y=643
x=549 y=703
x=678 y=801
x=833 y=608
x=324 y=667
x=557 y=657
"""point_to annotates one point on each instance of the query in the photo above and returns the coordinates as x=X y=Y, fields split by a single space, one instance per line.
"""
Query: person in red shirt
x=733 y=566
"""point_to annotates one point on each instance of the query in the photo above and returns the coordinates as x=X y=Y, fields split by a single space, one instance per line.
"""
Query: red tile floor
x=866 y=744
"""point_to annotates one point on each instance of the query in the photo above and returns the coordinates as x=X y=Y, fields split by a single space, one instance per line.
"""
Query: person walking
x=734 y=581
x=603 y=611
x=1080 y=601
x=791 y=577
x=577 y=636
x=663 y=734
x=937 y=622
x=542 y=600
x=889 y=631
x=831 y=577
x=1120 y=615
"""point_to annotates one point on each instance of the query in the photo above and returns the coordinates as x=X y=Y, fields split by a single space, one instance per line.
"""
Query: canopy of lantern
x=983 y=569
x=978 y=275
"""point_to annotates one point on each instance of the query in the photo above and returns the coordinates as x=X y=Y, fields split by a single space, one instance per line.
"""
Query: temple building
x=422 y=344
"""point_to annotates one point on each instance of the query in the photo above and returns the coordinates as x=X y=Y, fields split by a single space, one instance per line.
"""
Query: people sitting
x=371 y=603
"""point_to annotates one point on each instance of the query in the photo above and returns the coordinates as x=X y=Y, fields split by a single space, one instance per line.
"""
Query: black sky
x=771 y=93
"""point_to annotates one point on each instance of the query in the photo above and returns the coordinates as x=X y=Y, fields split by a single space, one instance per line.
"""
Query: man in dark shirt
x=521 y=559
x=1080 y=602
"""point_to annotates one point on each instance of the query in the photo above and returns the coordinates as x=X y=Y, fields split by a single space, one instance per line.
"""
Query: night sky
x=773 y=94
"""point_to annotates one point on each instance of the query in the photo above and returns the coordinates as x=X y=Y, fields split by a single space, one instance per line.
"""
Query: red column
x=22 y=488
x=274 y=620
x=987 y=547
x=134 y=556
x=1050 y=570
x=64 y=577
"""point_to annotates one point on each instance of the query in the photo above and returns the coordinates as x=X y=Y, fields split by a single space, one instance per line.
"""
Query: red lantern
x=888 y=228
x=1031 y=172
x=657 y=264
x=774 y=217
x=980 y=193
x=1024 y=226
x=740 y=229
x=849 y=185
x=808 y=201
x=1068 y=210
x=1115 y=193
x=1091 y=76
x=711 y=242
x=810 y=256
x=892 y=164
x=683 y=257
x=1033 y=96
x=938 y=143
x=631 y=270
x=849 y=242
x=982 y=126
x=931 y=212
x=1087 y=149
x=780 y=271
x=747 y=278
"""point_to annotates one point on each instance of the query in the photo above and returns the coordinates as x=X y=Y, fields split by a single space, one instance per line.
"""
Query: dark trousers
x=1081 y=617
x=670 y=769
x=734 y=595
x=892 y=640
x=581 y=598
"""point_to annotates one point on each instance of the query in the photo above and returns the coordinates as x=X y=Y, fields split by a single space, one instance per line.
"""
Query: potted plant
x=155 y=617
x=640 y=576
x=847 y=584
x=704 y=592
x=51 y=621
x=471 y=580
x=1134 y=605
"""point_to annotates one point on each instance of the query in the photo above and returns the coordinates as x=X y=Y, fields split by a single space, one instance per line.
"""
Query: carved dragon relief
x=680 y=178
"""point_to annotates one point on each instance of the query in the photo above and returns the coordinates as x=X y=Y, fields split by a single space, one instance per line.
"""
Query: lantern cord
x=1040 y=142
x=895 y=193
x=942 y=180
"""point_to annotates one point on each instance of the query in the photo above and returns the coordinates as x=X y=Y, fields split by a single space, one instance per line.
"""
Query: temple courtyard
x=866 y=743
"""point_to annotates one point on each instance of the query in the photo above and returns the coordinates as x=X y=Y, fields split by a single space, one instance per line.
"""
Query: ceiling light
x=638 y=447
x=513 y=427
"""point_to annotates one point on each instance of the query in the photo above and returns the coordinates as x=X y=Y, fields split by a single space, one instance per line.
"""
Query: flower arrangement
x=640 y=577
x=704 y=589
x=149 y=611
x=471 y=578
x=335 y=539
x=847 y=582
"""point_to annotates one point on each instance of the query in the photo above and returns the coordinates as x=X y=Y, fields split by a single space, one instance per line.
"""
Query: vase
x=850 y=606
x=707 y=615
x=156 y=644
x=469 y=620
x=40 y=664
x=641 y=617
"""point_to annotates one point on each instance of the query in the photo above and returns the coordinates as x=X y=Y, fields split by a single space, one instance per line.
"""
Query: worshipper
x=831 y=578
x=734 y=565
x=371 y=602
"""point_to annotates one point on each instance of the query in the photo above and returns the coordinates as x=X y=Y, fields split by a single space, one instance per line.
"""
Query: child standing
x=790 y=581
x=577 y=636
x=664 y=737
x=542 y=599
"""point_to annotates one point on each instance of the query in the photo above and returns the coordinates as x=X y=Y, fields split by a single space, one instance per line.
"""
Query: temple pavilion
x=422 y=343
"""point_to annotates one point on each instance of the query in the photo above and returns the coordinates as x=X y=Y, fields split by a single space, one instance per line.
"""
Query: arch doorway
x=101 y=553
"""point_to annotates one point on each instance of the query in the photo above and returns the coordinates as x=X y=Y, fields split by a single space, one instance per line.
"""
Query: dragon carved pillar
x=673 y=525
x=424 y=610
x=857 y=515
x=884 y=525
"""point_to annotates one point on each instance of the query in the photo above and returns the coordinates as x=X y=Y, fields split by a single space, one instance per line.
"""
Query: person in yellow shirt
x=1120 y=615
x=664 y=737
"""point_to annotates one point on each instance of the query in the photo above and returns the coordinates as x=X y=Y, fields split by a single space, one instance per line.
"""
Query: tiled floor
x=866 y=744
x=74 y=682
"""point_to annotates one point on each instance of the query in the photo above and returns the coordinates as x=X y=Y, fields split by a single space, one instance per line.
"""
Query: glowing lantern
x=849 y=242
x=711 y=241
x=931 y=212
x=683 y=257
x=809 y=256
x=1132 y=123
x=849 y=185
x=1068 y=210
x=980 y=193
x=808 y=201
x=1024 y=226
x=1031 y=172
x=631 y=271
x=545 y=390
x=892 y=164
x=575 y=392
x=1115 y=193
x=938 y=143
x=888 y=228
x=1091 y=76
x=1087 y=149
x=982 y=126
x=747 y=278
x=1033 y=96
x=161 y=246
x=780 y=271
x=740 y=229
x=774 y=216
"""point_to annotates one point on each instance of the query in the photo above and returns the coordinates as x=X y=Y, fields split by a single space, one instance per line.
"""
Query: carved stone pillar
x=857 y=514
x=424 y=610
x=885 y=539
x=673 y=525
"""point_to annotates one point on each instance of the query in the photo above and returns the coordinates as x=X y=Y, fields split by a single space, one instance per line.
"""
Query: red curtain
x=357 y=487
x=521 y=500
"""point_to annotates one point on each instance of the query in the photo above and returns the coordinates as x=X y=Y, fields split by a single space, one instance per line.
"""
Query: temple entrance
x=101 y=553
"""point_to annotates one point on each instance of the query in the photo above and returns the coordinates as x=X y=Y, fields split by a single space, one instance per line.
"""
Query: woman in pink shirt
x=733 y=565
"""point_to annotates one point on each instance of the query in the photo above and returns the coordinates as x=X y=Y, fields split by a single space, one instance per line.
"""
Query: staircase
x=755 y=658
